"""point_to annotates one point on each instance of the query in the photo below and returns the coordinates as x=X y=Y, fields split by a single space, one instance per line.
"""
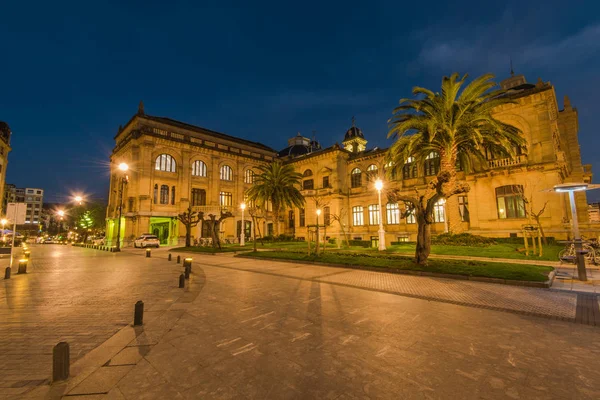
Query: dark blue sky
x=71 y=72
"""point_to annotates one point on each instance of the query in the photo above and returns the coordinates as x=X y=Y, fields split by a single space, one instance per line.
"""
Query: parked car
x=146 y=241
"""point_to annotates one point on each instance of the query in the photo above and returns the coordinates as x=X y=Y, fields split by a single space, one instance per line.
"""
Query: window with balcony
x=357 y=216
x=198 y=168
x=392 y=213
x=356 y=178
x=165 y=162
x=409 y=170
x=308 y=184
x=198 y=197
x=226 y=173
x=510 y=203
x=432 y=164
x=373 y=214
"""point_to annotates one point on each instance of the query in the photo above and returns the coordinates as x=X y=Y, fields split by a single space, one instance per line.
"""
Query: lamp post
x=123 y=168
x=61 y=216
x=379 y=186
x=3 y=222
x=78 y=199
x=317 y=241
x=243 y=234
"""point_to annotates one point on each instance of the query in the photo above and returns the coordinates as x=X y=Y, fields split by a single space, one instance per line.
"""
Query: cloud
x=486 y=52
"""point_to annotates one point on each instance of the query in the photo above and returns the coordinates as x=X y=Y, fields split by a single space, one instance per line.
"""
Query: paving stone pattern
x=244 y=330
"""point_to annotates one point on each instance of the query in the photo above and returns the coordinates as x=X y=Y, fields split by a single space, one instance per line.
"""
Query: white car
x=146 y=241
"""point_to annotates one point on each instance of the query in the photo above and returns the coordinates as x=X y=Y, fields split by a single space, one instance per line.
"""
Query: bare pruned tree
x=190 y=219
x=340 y=219
x=530 y=208
x=214 y=225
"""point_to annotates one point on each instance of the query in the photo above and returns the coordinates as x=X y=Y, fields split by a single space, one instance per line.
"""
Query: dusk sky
x=71 y=73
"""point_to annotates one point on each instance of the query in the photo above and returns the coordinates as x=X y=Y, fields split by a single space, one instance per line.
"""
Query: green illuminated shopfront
x=165 y=228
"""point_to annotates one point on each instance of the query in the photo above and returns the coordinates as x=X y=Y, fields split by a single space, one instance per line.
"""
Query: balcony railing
x=507 y=162
x=216 y=210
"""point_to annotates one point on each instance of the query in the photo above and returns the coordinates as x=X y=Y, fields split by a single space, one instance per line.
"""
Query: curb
x=545 y=285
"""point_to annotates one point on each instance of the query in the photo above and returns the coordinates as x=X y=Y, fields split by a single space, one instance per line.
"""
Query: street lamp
x=123 y=168
x=379 y=186
x=78 y=199
x=243 y=234
x=317 y=248
x=61 y=215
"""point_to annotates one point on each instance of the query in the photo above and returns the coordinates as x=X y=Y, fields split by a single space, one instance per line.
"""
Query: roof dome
x=353 y=132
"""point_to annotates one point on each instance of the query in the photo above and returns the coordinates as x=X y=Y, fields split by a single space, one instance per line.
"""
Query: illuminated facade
x=175 y=165
x=5 y=148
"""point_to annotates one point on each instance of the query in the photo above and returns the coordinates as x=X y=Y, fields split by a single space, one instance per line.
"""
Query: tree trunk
x=188 y=235
x=254 y=232
x=453 y=215
x=275 y=222
x=423 y=238
x=537 y=220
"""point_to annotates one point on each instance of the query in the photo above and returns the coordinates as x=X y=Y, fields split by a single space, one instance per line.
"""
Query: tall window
x=409 y=170
x=390 y=171
x=356 y=178
x=410 y=217
x=326 y=182
x=392 y=213
x=373 y=214
x=291 y=220
x=155 y=194
x=432 y=164
x=225 y=199
x=165 y=162
x=326 y=215
x=510 y=201
x=372 y=172
x=308 y=184
x=164 y=194
x=357 y=216
x=438 y=211
x=249 y=176
x=173 y=195
x=198 y=168
x=302 y=216
x=226 y=173
x=198 y=197
x=463 y=208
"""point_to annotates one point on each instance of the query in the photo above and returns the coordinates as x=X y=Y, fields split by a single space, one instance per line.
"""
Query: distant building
x=594 y=212
x=33 y=197
x=4 y=150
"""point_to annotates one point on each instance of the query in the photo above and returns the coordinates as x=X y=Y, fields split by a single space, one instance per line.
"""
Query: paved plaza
x=255 y=329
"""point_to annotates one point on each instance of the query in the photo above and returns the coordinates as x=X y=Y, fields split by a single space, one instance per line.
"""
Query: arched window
x=372 y=172
x=356 y=178
x=432 y=164
x=198 y=168
x=155 y=194
x=308 y=172
x=165 y=162
x=226 y=173
x=249 y=176
x=173 y=195
x=164 y=194
x=410 y=168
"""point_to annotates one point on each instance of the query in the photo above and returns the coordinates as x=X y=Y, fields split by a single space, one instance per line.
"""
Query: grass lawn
x=456 y=267
x=498 y=250
x=227 y=248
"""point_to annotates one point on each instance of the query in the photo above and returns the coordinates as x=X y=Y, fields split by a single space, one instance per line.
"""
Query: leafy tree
x=278 y=184
x=458 y=126
x=189 y=219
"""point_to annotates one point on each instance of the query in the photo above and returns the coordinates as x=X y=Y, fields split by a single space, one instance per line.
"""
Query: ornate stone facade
x=165 y=178
x=5 y=148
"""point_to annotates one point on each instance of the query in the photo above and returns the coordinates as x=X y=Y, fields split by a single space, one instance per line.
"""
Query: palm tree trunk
x=423 y=238
x=275 y=222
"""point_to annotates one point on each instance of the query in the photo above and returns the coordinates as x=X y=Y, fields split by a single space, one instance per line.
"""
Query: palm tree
x=278 y=184
x=457 y=126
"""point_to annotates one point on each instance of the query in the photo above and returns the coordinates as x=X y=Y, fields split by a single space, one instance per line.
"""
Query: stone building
x=4 y=150
x=174 y=165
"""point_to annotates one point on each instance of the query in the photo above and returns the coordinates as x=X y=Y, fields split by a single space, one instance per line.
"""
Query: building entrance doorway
x=161 y=227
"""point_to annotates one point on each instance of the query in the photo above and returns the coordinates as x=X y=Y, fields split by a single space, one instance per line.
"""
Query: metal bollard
x=60 y=362
x=22 y=267
x=187 y=262
x=181 y=281
x=187 y=272
x=178 y=259
x=169 y=256
x=148 y=252
x=27 y=254
x=138 y=315
x=7 y=273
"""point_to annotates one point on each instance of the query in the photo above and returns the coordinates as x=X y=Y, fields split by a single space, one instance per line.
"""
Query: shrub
x=361 y=243
x=462 y=239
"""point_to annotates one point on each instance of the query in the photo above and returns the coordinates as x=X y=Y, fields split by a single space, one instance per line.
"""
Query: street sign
x=15 y=212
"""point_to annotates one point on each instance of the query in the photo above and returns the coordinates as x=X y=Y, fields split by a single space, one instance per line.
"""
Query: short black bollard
x=187 y=262
x=22 y=267
x=138 y=315
x=26 y=255
x=148 y=252
x=187 y=272
x=60 y=362
x=7 y=273
x=181 y=281
x=178 y=259
x=169 y=256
